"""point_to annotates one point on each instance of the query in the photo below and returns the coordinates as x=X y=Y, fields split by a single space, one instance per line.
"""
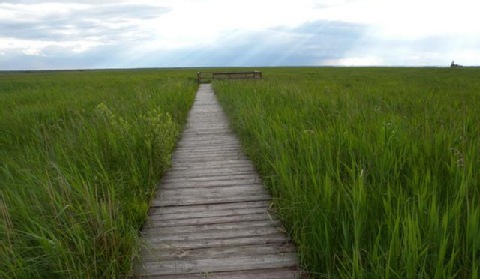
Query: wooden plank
x=209 y=171
x=214 y=252
x=213 y=148
x=232 y=177
x=195 y=182
x=207 y=207
x=233 y=263
x=206 y=188
x=208 y=192
x=214 y=227
x=272 y=239
x=200 y=140
x=206 y=214
x=227 y=161
x=208 y=153
x=206 y=137
x=246 y=232
x=213 y=164
x=191 y=183
x=189 y=200
x=209 y=157
x=192 y=141
x=187 y=175
x=191 y=137
x=208 y=184
x=203 y=129
x=213 y=142
x=209 y=220
x=210 y=197
x=211 y=152
x=218 y=169
x=279 y=273
x=236 y=154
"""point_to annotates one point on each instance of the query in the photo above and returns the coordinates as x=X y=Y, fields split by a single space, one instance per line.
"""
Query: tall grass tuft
x=375 y=172
x=81 y=153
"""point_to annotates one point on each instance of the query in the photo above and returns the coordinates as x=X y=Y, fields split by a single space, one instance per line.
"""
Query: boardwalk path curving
x=210 y=217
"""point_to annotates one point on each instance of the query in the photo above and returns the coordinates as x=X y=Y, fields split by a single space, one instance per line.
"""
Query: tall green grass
x=375 y=172
x=81 y=153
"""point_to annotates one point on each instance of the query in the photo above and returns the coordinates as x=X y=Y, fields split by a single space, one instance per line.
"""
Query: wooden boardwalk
x=210 y=217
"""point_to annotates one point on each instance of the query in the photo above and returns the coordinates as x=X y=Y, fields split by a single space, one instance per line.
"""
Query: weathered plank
x=204 y=192
x=207 y=214
x=212 y=227
x=206 y=207
x=210 y=217
x=273 y=239
x=280 y=273
x=186 y=200
x=233 y=263
x=212 y=164
x=209 y=184
x=206 y=150
x=208 y=171
x=215 y=252
x=212 y=235
x=168 y=179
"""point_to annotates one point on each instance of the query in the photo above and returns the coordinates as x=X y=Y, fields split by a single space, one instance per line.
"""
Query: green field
x=81 y=153
x=375 y=171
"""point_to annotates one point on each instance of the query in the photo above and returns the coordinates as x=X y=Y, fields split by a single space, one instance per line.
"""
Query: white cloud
x=32 y=51
x=409 y=18
x=191 y=23
x=27 y=12
x=34 y=47
x=72 y=26
x=354 y=61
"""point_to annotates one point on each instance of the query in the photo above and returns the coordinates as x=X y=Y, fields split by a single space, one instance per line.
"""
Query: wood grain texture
x=210 y=217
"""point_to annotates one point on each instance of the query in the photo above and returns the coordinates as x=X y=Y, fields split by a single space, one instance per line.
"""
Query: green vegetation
x=374 y=171
x=81 y=153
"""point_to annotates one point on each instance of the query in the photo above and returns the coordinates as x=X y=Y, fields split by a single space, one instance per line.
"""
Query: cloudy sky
x=36 y=34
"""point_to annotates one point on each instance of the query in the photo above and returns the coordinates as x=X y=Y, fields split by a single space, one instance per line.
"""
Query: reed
x=374 y=171
x=81 y=154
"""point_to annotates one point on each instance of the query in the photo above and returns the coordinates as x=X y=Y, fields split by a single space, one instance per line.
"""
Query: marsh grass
x=375 y=172
x=81 y=153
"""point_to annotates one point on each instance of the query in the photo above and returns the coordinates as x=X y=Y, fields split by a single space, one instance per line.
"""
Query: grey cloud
x=100 y=22
x=62 y=59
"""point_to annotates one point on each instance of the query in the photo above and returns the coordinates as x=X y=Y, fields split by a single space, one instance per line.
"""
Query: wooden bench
x=207 y=77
